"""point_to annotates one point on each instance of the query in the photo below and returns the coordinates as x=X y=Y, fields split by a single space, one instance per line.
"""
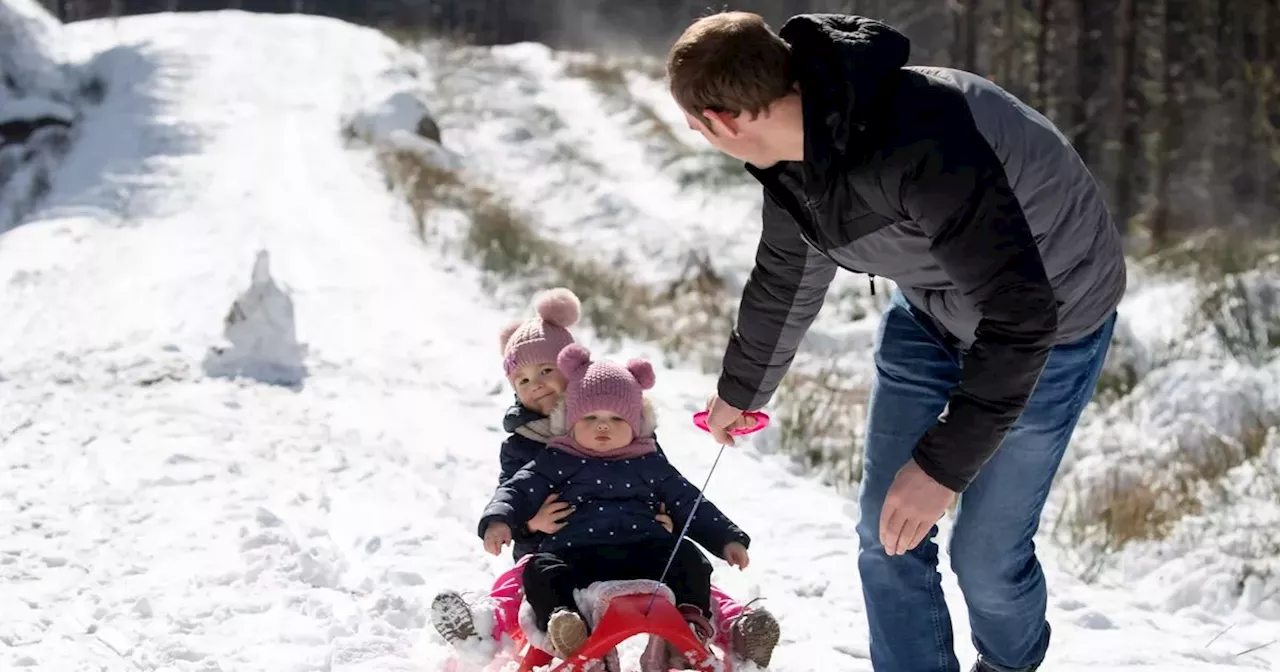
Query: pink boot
x=455 y=619
x=747 y=633
x=507 y=593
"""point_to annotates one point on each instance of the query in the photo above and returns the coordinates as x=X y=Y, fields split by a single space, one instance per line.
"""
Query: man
x=1009 y=271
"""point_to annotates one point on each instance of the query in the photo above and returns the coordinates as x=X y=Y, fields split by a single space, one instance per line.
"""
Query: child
x=609 y=468
x=529 y=351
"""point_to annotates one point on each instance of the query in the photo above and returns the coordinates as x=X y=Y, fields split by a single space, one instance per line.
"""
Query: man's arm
x=954 y=186
x=783 y=295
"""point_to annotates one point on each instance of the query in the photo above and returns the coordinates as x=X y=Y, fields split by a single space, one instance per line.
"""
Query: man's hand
x=496 y=536
x=914 y=503
x=723 y=418
x=664 y=519
x=736 y=555
x=550 y=518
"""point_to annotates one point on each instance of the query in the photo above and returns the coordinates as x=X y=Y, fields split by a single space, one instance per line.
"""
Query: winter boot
x=566 y=633
x=702 y=629
x=752 y=636
x=980 y=665
x=452 y=617
x=655 y=657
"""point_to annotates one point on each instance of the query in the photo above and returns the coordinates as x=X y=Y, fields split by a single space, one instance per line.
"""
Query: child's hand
x=736 y=555
x=665 y=520
x=550 y=518
x=496 y=536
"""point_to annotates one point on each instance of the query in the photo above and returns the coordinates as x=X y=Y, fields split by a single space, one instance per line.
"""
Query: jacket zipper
x=804 y=219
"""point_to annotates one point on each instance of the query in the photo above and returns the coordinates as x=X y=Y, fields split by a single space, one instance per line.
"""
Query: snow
x=38 y=101
x=25 y=109
x=160 y=518
x=262 y=334
x=402 y=121
x=32 y=54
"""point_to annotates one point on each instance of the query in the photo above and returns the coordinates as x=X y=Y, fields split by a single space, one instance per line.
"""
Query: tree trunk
x=1091 y=63
x=1131 y=109
x=1168 y=150
x=1044 y=16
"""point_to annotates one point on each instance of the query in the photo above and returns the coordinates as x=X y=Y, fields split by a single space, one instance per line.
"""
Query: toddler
x=608 y=468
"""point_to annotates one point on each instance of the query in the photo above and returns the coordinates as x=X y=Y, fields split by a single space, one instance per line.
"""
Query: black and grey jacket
x=972 y=202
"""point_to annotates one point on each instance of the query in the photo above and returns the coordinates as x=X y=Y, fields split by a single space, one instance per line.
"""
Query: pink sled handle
x=761 y=418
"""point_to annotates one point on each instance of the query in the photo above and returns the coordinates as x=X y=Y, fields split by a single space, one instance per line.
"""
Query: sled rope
x=684 y=531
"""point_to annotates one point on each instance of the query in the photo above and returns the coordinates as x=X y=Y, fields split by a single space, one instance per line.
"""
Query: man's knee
x=990 y=572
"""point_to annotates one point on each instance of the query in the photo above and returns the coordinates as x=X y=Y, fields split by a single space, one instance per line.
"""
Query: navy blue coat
x=616 y=500
x=517 y=451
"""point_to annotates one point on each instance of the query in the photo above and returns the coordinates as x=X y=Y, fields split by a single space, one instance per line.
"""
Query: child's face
x=602 y=431
x=538 y=386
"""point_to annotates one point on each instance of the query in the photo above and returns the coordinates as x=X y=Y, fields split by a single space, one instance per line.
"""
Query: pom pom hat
x=541 y=338
x=604 y=386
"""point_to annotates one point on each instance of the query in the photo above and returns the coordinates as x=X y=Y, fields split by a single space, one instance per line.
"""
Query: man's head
x=731 y=74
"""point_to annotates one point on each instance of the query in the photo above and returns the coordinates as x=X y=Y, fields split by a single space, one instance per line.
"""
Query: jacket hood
x=841 y=63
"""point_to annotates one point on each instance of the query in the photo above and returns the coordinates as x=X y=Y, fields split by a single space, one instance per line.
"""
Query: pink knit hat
x=540 y=339
x=604 y=386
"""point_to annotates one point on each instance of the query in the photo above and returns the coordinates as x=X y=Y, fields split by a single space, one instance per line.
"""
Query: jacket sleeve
x=710 y=527
x=511 y=459
x=517 y=500
x=782 y=296
x=953 y=185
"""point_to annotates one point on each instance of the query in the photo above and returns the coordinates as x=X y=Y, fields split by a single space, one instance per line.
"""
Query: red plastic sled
x=626 y=617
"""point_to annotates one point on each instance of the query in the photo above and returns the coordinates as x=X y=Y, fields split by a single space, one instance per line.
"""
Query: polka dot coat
x=616 y=502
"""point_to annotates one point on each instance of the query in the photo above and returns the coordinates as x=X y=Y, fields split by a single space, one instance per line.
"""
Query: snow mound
x=37 y=106
x=402 y=121
x=32 y=56
x=263 y=335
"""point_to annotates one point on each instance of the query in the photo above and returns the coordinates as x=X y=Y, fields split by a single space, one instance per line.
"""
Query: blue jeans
x=992 y=548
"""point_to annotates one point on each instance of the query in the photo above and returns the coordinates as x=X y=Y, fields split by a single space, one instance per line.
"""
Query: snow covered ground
x=157 y=517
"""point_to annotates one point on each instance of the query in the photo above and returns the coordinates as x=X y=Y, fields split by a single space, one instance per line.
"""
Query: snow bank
x=37 y=105
x=1197 y=434
x=402 y=122
x=32 y=54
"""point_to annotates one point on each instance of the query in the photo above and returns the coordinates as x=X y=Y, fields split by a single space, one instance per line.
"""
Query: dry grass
x=1243 y=315
x=821 y=416
x=1214 y=254
x=1144 y=502
x=609 y=72
x=683 y=316
x=692 y=169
